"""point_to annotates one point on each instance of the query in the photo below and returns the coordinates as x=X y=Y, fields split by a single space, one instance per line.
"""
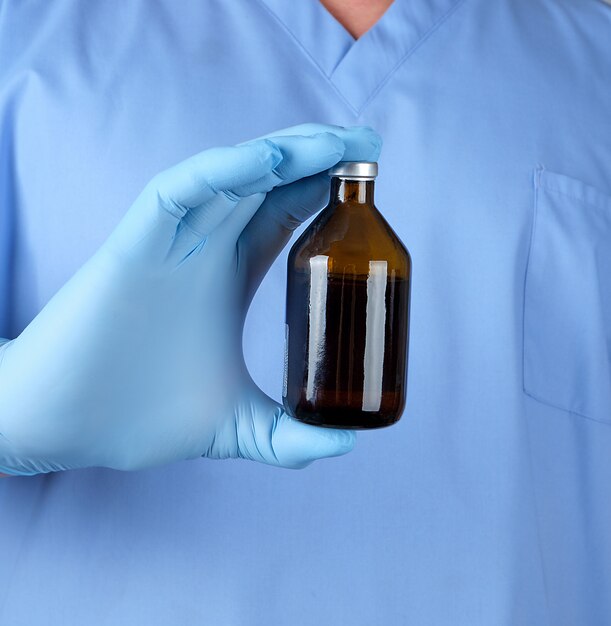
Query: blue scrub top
x=489 y=503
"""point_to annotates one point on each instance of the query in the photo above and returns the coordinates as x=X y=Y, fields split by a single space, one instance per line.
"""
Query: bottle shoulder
x=350 y=236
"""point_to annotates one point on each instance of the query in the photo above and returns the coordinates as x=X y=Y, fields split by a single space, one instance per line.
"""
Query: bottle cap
x=354 y=170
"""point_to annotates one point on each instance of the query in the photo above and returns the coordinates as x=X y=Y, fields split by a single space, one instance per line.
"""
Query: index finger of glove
x=306 y=152
x=362 y=142
x=240 y=171
x=261 y=164
x=201 y=177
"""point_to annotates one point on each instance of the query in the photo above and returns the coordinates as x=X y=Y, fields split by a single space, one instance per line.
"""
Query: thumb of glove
x=266 y=433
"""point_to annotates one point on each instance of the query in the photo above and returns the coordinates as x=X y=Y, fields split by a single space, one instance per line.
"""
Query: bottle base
x=349 y=422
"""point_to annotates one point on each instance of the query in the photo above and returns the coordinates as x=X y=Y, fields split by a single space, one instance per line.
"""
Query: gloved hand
x=137 y=361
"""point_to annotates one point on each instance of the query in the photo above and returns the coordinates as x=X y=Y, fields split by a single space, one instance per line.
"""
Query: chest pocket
x=567 y=301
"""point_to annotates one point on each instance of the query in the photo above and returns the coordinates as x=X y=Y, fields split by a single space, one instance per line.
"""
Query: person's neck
x=357 y=16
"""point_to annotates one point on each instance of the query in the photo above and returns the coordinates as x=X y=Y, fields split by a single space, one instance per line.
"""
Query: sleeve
x=6 y=229
x=7 y=221
x=13 y=42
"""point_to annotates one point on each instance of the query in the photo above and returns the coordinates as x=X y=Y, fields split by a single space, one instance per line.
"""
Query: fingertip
x=305 y=156
x=270 y=153
x=373 y=139
x=331 y=442
x=297 y=444
x=369 y=131
x=376 y=147
x=336 y=145
x=346 y=441
x=363 y=143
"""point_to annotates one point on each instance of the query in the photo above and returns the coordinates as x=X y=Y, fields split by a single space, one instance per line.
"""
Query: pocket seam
x=602 y=201
x=562 y=408
x=538 y=186
x=574 y=197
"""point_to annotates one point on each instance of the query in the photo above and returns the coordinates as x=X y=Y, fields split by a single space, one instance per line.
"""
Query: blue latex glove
x=137 y=361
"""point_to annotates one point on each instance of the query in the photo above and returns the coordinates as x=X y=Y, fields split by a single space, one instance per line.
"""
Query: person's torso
x=488 y=502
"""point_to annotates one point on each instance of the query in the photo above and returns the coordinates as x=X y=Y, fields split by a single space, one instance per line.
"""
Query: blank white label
x=318 y=320
x=374 y=335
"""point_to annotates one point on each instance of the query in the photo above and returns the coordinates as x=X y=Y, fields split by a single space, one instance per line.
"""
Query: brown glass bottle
x=347 y=311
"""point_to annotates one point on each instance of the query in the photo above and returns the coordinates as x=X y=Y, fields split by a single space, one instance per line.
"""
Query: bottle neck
x=351 y=191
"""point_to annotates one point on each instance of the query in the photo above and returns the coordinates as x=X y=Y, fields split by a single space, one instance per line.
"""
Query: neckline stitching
x=307 y=53
x=408 y=54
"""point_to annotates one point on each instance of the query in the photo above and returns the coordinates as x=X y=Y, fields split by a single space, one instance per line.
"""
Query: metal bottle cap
x=355 y=170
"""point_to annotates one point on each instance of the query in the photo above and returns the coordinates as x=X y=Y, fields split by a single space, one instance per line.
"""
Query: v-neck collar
x=358 y=68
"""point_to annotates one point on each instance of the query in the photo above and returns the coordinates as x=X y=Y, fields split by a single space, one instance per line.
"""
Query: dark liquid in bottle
x=347 y=349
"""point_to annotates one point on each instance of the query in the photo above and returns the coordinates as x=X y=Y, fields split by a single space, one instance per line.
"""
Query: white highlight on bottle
x=285 y=378
x=374 y=335
x=318 y=320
